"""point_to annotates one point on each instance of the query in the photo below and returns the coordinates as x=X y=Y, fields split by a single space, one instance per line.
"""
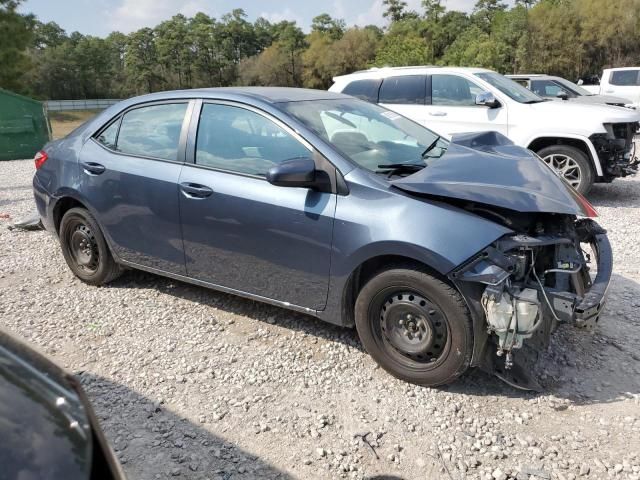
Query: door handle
x=93 y=168
x=438 y=114
x=195 y=190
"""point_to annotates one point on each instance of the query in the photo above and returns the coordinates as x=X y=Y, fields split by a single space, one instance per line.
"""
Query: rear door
x=129 y=176
x=239 y=231
x=625 y=84
x=453 y=107
x=405 y=94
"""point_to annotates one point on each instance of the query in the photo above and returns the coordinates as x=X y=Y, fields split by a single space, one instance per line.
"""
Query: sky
x=100 y=17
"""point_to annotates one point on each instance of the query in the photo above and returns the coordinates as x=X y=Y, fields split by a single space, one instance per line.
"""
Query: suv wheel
x=571 y=164
x=415 y=326
x=85 y=249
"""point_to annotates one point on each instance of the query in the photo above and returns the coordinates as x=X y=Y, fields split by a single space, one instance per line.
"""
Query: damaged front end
x=616 y=149
x=554 y=266
x=524 y=284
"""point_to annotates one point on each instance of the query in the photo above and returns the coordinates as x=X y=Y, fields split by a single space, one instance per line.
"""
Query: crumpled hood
x=488 y=168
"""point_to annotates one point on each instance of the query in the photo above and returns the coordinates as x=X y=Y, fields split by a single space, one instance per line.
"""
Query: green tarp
x=24 y=126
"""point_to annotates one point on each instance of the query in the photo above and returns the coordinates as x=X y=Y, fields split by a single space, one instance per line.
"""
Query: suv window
x=405 y=89
x=453 y=90
x=239 y=140
x=364 y=89
x=152 y=131
x=625 y=78
x=547 y=88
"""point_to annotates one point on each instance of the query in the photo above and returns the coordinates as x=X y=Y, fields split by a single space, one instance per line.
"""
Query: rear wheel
x=415 y=326
x=85 y=249
x=571 y=164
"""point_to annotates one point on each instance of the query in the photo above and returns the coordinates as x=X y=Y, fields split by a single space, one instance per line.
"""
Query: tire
x=571 y=164
x=415 y=326
x=85 y=249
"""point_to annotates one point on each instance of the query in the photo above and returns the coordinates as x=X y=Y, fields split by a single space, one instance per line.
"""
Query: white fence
x=62 y=105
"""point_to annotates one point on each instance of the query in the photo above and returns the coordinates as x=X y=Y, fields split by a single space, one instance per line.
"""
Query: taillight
x=586 y=206
x=40 y=158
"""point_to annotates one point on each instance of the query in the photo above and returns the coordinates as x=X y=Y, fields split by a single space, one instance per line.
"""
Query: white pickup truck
x=621 y=82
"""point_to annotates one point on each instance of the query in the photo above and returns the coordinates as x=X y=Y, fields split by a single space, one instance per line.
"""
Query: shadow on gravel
x=240 y=306
x=617 y=194
x=582 y=367
x=152 y=442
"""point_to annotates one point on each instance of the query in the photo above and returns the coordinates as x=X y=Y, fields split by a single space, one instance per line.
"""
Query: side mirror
x=486 y=99
x=563 y=95
x=296 y=172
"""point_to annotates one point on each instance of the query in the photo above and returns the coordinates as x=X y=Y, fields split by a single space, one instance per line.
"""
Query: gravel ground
x=192 y=383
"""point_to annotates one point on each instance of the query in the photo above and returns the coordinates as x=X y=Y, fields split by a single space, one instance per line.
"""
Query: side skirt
x=220 y=288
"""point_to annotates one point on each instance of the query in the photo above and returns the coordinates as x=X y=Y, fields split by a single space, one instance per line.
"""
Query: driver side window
x=242 y=141
x=453 y=90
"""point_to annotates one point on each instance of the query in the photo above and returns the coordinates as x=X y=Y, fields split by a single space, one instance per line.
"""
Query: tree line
x=570 y=38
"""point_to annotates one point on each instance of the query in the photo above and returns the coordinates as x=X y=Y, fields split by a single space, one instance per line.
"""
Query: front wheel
x=415 y=326
x=570 y=164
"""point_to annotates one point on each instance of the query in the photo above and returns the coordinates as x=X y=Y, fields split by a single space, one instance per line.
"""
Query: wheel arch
x=368 y=268
x=63 y=204
x=581 y=143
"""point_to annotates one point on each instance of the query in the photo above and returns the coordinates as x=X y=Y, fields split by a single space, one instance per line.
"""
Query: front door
x=241 y=232
x=453 y=107
x=129 y=176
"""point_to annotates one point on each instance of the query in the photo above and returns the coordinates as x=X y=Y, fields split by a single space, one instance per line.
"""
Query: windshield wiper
x=392 y=169
x=431 y=146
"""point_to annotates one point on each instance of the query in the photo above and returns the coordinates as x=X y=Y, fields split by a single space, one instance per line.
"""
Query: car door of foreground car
x=241 y=232
x=129 y=176
x=453 y=107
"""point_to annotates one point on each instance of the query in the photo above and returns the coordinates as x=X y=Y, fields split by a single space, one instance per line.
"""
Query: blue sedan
x=443 y=254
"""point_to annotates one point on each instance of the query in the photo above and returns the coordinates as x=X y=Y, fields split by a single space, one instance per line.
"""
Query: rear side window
x=152 y=131
x=364 y=89
x=625 y=78
x=239 y=140
x=406 y=89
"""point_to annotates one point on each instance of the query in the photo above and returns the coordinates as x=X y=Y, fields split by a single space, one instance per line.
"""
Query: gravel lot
x=192 y=383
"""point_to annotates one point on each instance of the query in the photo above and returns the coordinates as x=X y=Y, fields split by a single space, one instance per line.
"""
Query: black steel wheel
x=415 y=326
x=85 y=249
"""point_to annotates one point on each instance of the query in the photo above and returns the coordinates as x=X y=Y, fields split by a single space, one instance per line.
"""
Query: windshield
x=577 y=89
x=513 y=90
x=371 y=136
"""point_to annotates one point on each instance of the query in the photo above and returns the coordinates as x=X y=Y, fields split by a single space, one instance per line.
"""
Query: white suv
x=584 y=143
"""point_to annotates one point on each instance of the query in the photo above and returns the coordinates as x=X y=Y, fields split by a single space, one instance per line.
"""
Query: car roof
x=265 y=94
x=535 y=75
x=382 y=72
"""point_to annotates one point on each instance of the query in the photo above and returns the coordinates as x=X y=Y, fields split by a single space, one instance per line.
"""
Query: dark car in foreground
x=48 y=430
x=443 y=255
